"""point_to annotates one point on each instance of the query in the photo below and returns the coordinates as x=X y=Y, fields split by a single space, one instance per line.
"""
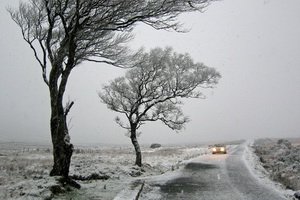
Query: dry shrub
x=25 y=165
x=282 y=160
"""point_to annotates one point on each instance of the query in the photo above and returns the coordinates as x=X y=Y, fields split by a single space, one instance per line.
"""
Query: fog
x=255 y=45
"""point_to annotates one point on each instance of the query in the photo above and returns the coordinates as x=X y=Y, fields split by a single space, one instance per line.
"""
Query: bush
x=282 y=161
x=155 y=145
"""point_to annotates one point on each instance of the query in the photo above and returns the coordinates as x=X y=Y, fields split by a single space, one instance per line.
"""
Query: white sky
x=254 y=44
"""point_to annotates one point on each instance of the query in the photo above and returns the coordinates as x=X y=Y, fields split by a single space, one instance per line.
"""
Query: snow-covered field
x=103 y=171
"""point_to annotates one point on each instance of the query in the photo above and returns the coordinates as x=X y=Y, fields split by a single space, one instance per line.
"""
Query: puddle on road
x=200 y=166
x=183 y=185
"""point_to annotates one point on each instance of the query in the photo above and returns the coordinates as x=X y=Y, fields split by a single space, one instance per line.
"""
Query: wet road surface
x=221 y=176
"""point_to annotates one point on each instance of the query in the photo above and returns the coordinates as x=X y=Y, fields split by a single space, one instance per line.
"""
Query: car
x=219 y=148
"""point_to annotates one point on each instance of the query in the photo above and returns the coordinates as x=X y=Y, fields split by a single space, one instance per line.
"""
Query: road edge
x=260 y=173
x=132 y=191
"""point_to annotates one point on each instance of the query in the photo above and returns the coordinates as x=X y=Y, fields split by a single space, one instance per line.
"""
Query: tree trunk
x=62 y=148
x=58 y=77
x=138 y=159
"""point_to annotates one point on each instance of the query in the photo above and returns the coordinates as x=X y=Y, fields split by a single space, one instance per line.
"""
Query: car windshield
x=219 y=145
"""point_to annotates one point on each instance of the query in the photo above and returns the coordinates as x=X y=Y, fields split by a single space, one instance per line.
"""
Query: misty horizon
x=255 y=45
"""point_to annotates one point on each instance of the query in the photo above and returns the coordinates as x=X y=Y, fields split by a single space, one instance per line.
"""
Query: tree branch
x=152 y=91
x=68 y=107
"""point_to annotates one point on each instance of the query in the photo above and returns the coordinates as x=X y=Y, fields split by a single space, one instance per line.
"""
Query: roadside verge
x=132 y=191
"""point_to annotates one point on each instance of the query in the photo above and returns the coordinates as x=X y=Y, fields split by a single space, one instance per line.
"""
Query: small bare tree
x=152 y=91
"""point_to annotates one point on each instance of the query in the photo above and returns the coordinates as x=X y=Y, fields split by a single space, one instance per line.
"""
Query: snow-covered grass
x=102 y=171
x=262 y=175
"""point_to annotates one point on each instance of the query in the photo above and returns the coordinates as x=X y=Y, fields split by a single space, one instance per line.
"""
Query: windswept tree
x=65 y=33
x=152 y=91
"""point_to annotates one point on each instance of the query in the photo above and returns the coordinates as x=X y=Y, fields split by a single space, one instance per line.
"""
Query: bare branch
x=68 y=107
x=121 y=124
x=152 y=90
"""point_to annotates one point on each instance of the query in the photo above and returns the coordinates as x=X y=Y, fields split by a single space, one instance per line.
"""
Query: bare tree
x=152 y=91
x=65 y=33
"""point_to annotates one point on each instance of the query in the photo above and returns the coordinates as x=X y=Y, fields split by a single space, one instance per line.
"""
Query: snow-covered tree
x=152 y=91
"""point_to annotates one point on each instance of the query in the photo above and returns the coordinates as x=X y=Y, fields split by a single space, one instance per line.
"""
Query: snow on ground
x=103 y=171
x=262 y=175
x=251 y=160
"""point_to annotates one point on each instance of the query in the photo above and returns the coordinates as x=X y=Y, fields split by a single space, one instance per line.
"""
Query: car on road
x=219 y=148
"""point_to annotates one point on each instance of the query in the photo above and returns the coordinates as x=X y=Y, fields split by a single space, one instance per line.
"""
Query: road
x=211 y=177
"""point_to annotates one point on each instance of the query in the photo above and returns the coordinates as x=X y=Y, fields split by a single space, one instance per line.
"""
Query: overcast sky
x=254 y=44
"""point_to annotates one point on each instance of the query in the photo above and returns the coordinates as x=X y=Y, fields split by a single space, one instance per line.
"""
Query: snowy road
x=211 y=177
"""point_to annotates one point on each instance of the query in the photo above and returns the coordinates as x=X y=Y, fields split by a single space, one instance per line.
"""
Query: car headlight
x=214 y=149
x=222 y=149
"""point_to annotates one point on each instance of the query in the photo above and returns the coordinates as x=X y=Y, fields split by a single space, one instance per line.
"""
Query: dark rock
x=297 y=195
x=155 y=145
